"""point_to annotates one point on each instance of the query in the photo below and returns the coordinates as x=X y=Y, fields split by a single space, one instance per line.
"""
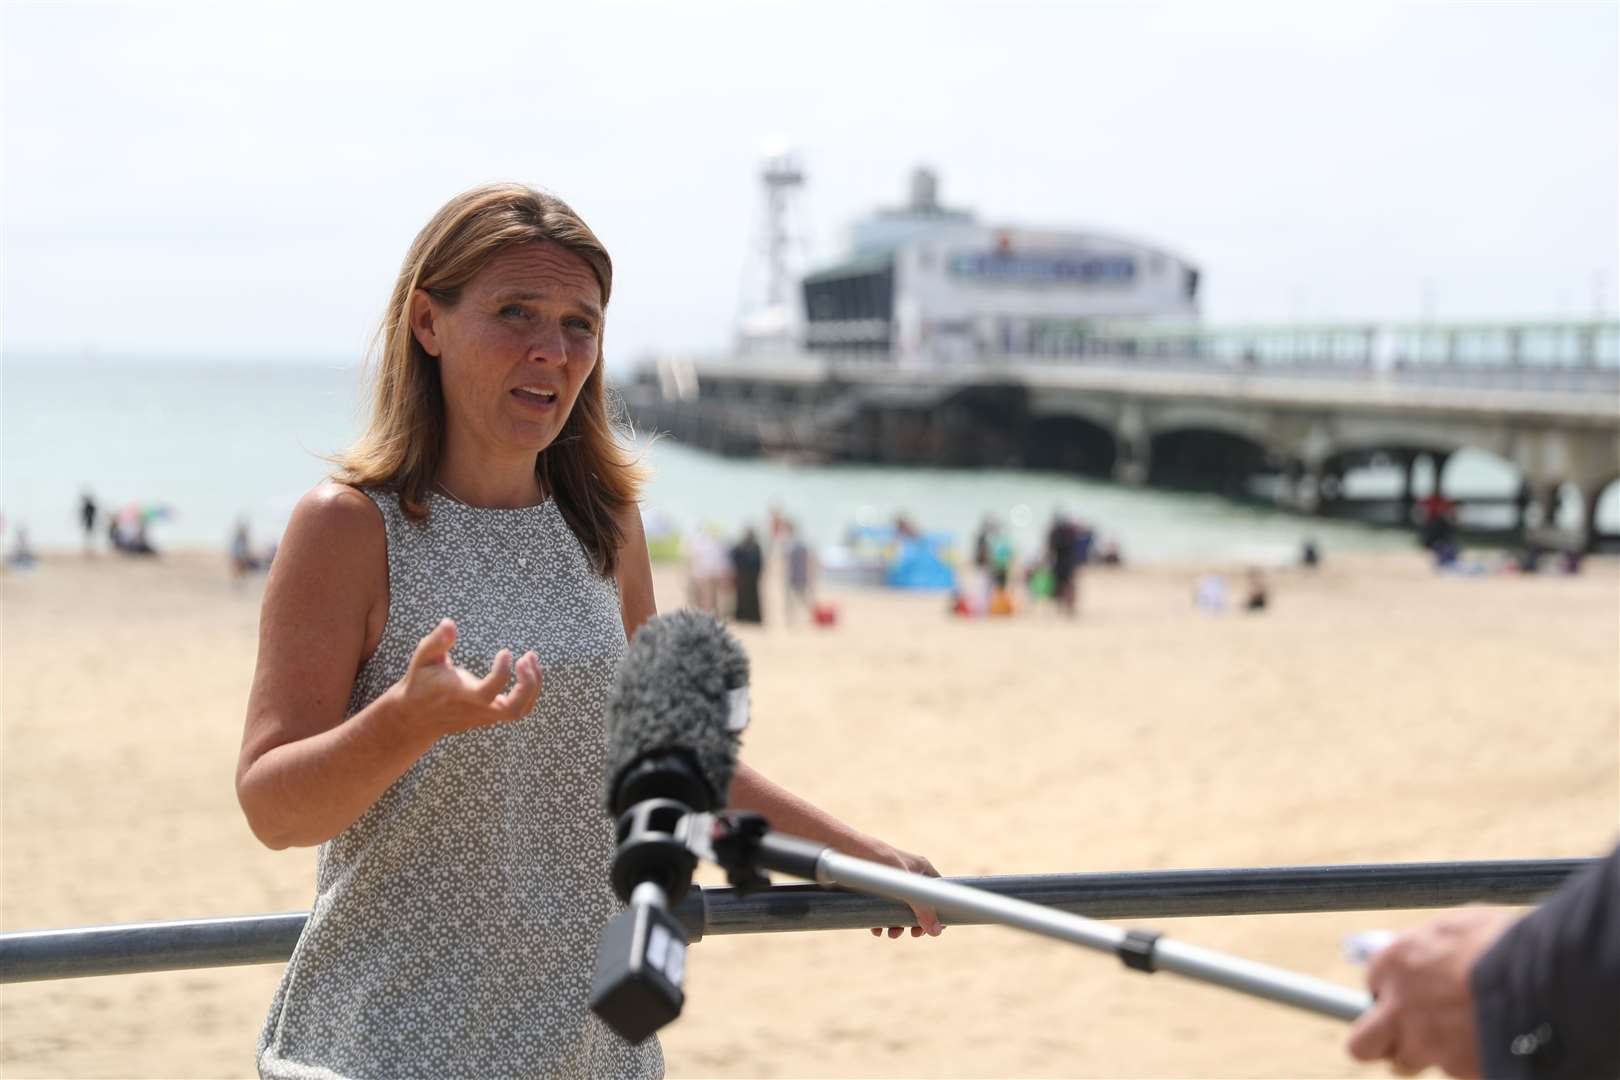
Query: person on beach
x=243 y=561
x=1063 y=556
x=1258 y=595
x=439 y=635
x=128 y=534
x=708 y=569
x=747 y=565
x=87 y=517
x=22 y=555
x=801 y=594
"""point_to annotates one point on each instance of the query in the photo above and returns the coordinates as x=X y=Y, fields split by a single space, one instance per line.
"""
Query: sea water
x=230 y=439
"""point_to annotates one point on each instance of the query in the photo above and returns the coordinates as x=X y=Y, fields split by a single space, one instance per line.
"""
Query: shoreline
x=192 y=554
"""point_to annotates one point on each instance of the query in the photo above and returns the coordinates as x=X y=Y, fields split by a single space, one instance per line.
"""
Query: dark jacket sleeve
x=1547 y=994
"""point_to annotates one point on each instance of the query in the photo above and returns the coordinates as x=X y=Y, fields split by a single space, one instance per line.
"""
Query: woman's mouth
x=536 y=397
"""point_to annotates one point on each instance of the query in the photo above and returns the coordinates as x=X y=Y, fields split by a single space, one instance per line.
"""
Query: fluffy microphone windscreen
x=677 y=690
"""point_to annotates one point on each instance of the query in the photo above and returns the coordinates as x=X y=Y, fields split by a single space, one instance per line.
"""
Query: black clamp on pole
x=744 y=844
x=736 y=842
x=1136 y=950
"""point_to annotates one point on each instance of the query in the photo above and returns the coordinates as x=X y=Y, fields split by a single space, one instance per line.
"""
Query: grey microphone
x=676 y=714
x=673 y=723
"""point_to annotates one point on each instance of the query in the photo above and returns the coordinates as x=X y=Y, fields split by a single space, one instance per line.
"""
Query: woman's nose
x=548 y=346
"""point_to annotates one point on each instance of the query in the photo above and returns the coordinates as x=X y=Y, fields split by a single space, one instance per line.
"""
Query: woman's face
x=516 y=348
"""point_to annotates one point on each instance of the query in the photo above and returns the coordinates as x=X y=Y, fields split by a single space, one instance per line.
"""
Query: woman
x=463 y=870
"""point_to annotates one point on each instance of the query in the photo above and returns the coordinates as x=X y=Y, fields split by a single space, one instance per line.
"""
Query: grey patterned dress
x=455 y=923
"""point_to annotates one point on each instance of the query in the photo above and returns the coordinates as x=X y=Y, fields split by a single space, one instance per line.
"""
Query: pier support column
x=1408 y=488
x=1549 y=504
x=1590 y=494
x=1308 y=489
x=1133 y=454
x=1440 y=461
x=1288 y=483
x=1133 y=462
x=1521 y=507
x=1330 y=492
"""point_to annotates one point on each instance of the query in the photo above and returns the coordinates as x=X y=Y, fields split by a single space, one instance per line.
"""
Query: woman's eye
x=511 y=311
x=582 y=325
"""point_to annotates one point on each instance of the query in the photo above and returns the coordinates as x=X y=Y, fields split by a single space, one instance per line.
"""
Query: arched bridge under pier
x=1210 y=410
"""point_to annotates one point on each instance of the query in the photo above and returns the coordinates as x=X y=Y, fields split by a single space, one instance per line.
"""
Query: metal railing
x=1580 y=356
x=34 y=955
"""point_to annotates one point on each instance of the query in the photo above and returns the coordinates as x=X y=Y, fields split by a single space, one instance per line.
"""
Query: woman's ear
x=422 y=324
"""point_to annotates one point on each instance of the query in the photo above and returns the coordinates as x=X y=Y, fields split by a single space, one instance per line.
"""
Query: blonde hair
x=586 y=469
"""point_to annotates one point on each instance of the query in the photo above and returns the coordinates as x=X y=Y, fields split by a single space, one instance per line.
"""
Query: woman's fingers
x=928 y=921
x=490 y=686
x=535 y=686
x=927 y=918
x=469 y=697
x=456 y=698
x=436 y=646
x=522 y=697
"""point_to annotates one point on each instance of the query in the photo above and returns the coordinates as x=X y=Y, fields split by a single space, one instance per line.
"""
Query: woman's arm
x=750 y=790
x=637 y=603
x=305 y=773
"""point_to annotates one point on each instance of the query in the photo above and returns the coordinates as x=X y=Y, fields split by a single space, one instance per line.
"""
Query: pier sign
x=1073 y=267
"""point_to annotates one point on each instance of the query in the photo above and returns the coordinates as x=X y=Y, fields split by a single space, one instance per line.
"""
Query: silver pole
x=1260 y=980
x=1206 y=965
x=964 y=902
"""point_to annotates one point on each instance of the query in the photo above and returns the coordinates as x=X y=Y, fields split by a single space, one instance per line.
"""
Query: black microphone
x=673 y=722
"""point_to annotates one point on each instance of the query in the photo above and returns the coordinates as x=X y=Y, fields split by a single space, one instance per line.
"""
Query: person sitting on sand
x=1257 y=595
x=243 y=561
x=436 y=651
x=22 y=556
x=1209 y=593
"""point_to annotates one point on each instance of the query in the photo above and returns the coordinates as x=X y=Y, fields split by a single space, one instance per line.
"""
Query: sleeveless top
x=454 y=926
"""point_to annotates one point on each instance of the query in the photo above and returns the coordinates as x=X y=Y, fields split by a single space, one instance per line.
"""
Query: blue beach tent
x=921 y=564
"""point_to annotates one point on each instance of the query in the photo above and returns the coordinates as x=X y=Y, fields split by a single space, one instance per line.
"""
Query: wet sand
x=1376 y=712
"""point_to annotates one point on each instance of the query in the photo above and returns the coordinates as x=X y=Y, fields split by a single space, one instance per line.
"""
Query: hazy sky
x=242 y=179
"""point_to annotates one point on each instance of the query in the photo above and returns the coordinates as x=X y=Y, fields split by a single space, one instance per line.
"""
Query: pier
x=1284 y=409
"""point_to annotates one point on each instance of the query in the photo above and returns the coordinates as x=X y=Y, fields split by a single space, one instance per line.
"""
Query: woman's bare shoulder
x=335 y=511
x=337 y=525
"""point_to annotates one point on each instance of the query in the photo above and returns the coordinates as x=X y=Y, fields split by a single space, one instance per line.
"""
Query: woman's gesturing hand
x=445 y=699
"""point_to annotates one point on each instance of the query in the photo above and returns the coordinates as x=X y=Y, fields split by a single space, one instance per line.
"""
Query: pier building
x=926 y=285
x=940 y=340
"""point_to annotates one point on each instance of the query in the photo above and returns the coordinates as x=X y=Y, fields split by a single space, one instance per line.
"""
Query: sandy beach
x=1376 y=712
